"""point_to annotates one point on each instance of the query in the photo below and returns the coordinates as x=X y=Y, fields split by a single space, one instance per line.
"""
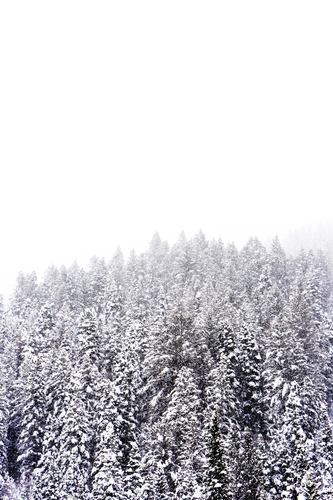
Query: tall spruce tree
x=249 y=478
x=217 y=485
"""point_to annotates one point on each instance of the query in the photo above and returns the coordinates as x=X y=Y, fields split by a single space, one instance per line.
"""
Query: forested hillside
x=196 y=371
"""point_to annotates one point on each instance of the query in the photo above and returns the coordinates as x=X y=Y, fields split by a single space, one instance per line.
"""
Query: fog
x=120 y=119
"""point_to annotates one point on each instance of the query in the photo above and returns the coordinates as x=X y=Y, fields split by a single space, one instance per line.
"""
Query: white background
x=122 y=118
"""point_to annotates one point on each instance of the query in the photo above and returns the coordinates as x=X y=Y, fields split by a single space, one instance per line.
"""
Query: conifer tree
x=232 y=285
x=176 y=445
x=254 y=261
x=222 y=395
x=107 y=476
x=278 y=266
x=75 y=289
x=157 y=267
x=31 y=413
x=73 y=459
x=310 y=488
x=160 y=489
x=96 y=284
x=291 y=447
x=4 y=422
x=46 y=476
x=182 y=417
x=170 y=348
x=217 y=478
x=26 y=295
x=156 y=460
x=324 y=449
x=89 y=336
x=185 y=433
x=128 y=384
x=249 y=480
x=250 y=382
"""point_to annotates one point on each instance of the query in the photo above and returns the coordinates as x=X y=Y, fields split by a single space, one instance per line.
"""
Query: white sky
x=122 y=118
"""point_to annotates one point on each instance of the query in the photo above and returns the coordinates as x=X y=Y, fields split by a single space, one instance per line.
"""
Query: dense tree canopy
x=195 y=371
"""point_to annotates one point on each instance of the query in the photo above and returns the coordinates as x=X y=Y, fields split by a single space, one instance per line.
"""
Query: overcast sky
x=122 y=118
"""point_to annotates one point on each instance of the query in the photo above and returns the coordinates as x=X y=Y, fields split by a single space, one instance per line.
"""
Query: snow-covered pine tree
x=249 y=480
x=31 y=413
x=75 y=280
x=222 y=396
x=171 y=347
x=107 y=478
x=73 y=460
x=46 y=476
x=310 y=489
x=160 y=487
x=96 y=284
x=4 y=422
x=254 y=260
x=216 y=485
x=25 y=298
x=324 y=450
x=184 y=429
x=89 y=336
x=156 y=461
x=250 y=382
x=128 y=385
x=232 y=285
x=291 y=447
x=278 y=265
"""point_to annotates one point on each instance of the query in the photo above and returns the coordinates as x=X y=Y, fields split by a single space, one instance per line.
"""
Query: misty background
x=120 y=119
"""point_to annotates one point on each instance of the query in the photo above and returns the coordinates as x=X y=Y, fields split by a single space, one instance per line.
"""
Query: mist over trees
x=196 y=371
x=311 y=237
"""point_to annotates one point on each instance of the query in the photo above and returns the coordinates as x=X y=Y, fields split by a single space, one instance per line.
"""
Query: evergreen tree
x=96 y=284
x=156 y=462
x=217 y=478
x=25 y=297
x=250 y=382
x=128 y=385
x=291 y=448
x=107 y=476
x=75 y=281
x=310 y=488
x=232 y=289
x=253 y=261
x=47 y=477
x=4 y=422
x=184 y=431
x=172 y=345
x=31 y=413
x=160 y=488
x=249 y=479
x=89 y=336
x=278 y=266
x=73 y=459
x=222 y=395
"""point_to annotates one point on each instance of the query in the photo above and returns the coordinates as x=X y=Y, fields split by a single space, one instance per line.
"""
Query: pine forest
x=189 y=371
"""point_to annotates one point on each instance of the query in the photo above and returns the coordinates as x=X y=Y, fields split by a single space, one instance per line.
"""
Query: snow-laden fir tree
x=127 y=388
x=73 y=459
x=107 y=478
x=4 y=421
x=184 y=429
x=217 y=484
x=249 y=478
